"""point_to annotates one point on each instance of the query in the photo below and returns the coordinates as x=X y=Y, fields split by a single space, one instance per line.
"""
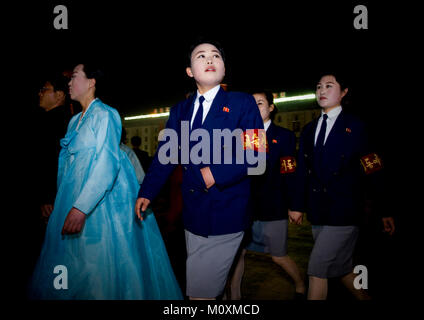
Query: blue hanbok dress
x=115 y=256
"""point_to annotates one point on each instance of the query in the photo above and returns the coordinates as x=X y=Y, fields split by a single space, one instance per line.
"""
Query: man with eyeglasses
x=51 y=125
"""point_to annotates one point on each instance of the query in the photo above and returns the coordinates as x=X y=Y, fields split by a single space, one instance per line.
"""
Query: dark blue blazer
x=272 y=191
x=223 y=208
x=333 y=190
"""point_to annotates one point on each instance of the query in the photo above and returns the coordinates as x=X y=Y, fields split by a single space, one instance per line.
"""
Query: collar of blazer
x=332 y=138
x=216 y=109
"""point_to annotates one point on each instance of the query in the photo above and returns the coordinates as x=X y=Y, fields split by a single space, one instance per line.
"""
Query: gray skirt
x=208 y=263
x=269 y=237
x=332 y=253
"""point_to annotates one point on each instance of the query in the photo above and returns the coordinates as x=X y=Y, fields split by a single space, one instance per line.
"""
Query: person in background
x=142 y=155
x=335 y=163
x=52 y=124
x=94 y=248
x=132 y=156
x=271 y=197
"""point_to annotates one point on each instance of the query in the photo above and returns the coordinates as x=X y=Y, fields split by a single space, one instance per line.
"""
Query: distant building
x=292 y=115
x=295 y=115
x=148 y=130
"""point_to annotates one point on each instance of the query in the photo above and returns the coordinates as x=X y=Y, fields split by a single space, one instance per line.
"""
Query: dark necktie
x=321 y=134
x=197 y=122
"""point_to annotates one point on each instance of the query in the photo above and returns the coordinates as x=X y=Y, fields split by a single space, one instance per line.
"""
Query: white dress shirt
x=267 y=124
x=332 y=117
x=209 y=96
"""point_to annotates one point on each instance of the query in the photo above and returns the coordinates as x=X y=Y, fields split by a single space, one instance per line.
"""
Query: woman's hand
x=389 y=225
x=74 y=222
x=142 y=203
x=207 y=177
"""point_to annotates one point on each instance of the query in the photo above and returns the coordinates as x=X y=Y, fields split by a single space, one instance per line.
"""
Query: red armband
x=255 y=139
x=371 y=163
x=287 y=165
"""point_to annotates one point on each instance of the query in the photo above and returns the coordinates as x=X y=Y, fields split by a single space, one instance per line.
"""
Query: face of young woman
x=264 y=108
x=79 y=84
x=329 y=93
x=207 y=66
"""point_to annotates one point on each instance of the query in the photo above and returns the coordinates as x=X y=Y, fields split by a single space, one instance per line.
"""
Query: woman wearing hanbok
x=95 y=247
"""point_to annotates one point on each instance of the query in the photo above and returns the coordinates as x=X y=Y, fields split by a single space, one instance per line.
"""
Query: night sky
x=282 y=47
x=279 y=46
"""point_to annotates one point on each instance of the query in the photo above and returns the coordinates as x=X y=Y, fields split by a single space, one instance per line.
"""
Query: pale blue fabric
x=115 y=256
x=139 y=172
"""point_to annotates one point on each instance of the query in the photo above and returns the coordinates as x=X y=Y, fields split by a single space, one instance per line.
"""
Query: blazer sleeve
x=229 y=174
x=288 y=154
x=374 y=174
x=298 y=195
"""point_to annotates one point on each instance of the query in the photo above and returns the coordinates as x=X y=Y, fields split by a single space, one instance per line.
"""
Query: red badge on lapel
x=225 y=109
x=274 y=141
x=348 y=130
x=287 y=165
x=371 y=163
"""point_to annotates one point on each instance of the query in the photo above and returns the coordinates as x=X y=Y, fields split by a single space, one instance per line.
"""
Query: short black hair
x=201 y=40
x=136 y=141
x=93 y=70
x=340 y=76
x=58 y=81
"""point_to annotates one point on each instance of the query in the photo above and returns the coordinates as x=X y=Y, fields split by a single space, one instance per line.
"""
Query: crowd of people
x=95 y=198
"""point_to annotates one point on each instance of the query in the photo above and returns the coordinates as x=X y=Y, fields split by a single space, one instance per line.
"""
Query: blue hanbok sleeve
x=105 y=165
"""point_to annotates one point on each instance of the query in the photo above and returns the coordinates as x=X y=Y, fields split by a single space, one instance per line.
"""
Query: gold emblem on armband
x=255 y=139
x=371 y=163
x=287 y=165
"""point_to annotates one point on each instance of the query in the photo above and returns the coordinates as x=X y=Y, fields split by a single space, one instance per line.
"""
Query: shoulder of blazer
x=281 y=132
x=309 y=127
x=235 y=94
x=352 y=123
x=182 y=107
x=237 y=97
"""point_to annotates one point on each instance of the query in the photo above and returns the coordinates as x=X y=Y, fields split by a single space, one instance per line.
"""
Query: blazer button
x=185 y=168
x=191 y=190
x=179 y=147
x=324 y=190
x=305 y=155
x=206 y=190
x=309 y=171
x=314 y=190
